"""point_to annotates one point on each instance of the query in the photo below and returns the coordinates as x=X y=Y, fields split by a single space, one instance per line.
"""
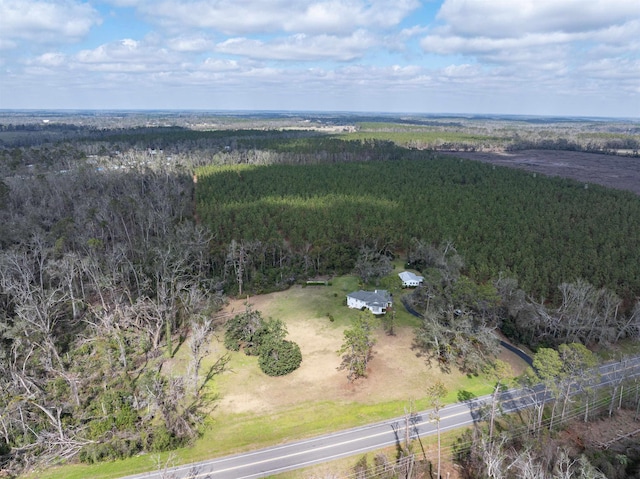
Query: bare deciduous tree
x=198 y=345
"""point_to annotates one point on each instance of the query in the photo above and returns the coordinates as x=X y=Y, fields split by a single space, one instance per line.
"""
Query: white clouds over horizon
x=504 y=56
x=302 y=47
x=241 y=17
x=43 y=22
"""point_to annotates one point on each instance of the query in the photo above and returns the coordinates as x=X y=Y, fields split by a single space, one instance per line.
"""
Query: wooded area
x=312 y=219
x=118 y=246
x=103 y=274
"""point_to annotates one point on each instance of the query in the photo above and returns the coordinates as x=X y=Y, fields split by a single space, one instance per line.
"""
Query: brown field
x=607 y=170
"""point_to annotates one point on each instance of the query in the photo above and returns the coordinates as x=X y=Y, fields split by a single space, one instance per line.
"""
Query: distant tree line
x=504 y=134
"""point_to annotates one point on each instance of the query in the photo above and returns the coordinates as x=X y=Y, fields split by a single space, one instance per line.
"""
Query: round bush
x=280 y=358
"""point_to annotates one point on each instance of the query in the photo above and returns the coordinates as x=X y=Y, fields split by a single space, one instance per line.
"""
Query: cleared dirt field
x=607 y=170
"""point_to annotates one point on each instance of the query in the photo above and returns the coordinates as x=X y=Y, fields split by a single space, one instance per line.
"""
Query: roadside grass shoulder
x=240 y=433
x=243 y=432
x=247 y=431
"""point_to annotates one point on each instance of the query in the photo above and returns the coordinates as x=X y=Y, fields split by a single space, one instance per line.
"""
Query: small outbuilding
x=410 y=279
x=375 y=301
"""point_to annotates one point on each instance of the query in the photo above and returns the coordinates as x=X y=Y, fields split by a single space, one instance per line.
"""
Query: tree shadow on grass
x=465 y=396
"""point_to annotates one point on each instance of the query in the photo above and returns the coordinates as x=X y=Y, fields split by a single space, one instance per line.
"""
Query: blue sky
x=537 y=57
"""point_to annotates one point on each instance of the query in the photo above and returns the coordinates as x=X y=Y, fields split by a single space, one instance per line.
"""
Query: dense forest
x=313 y=219
x=120 y=241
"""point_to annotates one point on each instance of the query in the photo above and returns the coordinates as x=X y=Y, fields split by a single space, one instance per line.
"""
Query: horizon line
x=467 y=115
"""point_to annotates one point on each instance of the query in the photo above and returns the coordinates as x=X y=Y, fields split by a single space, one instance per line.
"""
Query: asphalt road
x=299 y=454
x=277 y=459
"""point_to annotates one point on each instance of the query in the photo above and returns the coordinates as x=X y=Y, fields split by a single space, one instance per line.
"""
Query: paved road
x=273 y=460
x=299 y=454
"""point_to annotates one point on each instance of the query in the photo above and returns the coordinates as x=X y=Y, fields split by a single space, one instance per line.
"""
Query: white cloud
x=463 y=71
x=479 y=55
x=508 y=18
x=495 y=29
x=125 y=3
x=128 y=51
x=482 y=45
x=44 y=21
x=125 y=50
x=340 y=16
x=557 y=46
x=6 y=44
x=301 y=47
x=117 y=76
x=243 y=17
x=620 y=33
x=416 y=30
x=218 y=65
x=190 y=44
x=50 y=60
x=608 y=69
x=128 y=56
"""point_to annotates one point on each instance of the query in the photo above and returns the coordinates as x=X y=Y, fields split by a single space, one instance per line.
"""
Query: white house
x=410 y=279
x=375 y=301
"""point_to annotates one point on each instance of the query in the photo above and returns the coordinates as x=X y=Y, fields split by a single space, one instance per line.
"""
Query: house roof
x=407 y=276
x=379 y=297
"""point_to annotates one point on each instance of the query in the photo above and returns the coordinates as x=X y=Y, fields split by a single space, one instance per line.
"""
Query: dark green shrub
x=241 y=331
x=126 y=418
x=264 y=338
x=231 y=343
x=280 y=358
x=162 y=439
x=4 y=447
x=116 y=448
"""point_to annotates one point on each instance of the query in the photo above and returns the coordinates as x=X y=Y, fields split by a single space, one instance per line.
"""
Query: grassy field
x=255 y=410
x=407 y=138
x=404 y=134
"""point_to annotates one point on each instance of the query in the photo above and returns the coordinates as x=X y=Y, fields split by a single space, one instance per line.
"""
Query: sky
x=528 y=57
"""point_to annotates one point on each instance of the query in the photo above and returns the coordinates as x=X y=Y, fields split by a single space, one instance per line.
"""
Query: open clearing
x=396 y=373
x=618 y=172
x=255 y=410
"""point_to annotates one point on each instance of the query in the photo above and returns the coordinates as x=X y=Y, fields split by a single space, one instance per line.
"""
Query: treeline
x=175 y=138
x=588 y=143
x=460 y=316
x=103 y=275
x=169 y=130
x=304 y=220
x=29 y=142
x=505 y=134
x=186 y=148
